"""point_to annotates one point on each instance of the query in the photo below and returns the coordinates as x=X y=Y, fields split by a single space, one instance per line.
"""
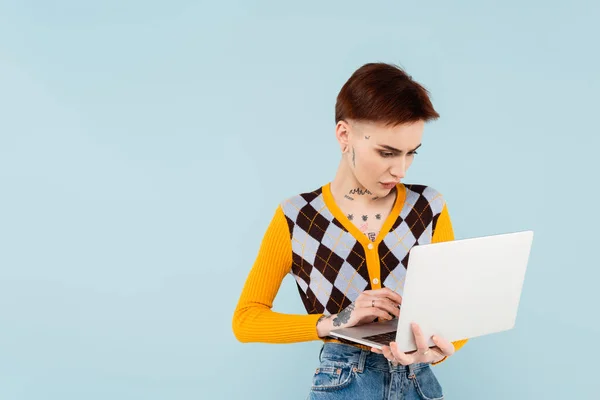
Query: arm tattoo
x=344 y=316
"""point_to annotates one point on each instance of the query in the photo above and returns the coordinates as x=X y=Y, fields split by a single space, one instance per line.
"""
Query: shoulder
x=425 y=196
x=292 y=204
x=305 y=208
x=429 y=192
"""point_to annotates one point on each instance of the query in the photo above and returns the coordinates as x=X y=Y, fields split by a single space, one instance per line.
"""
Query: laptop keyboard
x=382 y=338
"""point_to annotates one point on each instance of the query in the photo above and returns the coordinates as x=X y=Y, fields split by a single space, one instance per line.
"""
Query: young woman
x=346 y=244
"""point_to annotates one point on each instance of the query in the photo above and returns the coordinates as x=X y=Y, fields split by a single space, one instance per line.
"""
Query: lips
x=388 y=185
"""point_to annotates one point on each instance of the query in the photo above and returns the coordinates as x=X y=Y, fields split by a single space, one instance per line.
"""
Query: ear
x=342 y=134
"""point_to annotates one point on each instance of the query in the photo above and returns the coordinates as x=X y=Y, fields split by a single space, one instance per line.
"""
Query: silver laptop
x=459 y=289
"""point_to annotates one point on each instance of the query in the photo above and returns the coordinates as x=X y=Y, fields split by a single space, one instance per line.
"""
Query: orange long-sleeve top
x=331 y=260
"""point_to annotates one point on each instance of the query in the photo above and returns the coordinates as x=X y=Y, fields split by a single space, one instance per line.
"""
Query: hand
x=423 y=354
x=369 y=305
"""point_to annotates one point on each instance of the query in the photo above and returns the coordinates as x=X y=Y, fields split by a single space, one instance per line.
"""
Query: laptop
x=459 y=289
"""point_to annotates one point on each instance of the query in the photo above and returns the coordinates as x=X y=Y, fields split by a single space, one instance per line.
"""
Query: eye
x=386 y=154
x=412 y=153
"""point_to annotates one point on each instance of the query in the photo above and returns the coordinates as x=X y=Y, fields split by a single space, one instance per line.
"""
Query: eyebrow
x=385 y=146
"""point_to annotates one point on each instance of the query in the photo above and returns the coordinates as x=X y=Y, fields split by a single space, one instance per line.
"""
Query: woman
x=346 y=244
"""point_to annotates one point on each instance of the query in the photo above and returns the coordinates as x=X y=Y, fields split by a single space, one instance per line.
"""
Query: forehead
x=403 y=136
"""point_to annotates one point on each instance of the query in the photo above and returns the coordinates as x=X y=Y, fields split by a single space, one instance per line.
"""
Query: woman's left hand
x=423 y=354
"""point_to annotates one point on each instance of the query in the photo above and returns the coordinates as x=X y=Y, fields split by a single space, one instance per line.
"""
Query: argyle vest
x=333 y=262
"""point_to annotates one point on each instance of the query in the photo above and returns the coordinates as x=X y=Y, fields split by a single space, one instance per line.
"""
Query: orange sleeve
x=444 y=233
x=253 y=318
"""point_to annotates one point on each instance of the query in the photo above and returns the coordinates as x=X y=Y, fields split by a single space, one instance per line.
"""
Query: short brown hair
x=380 y=92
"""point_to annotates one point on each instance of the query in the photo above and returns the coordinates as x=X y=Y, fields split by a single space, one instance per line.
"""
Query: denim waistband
x=364 y=359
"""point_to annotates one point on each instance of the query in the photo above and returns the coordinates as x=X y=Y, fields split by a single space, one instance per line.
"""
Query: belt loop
x=362 y=360
x=411 y=371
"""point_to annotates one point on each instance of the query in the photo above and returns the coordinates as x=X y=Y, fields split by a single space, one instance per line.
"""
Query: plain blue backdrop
x=144 y=146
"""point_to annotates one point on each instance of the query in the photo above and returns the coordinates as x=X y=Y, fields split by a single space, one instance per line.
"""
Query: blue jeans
x=347 y=372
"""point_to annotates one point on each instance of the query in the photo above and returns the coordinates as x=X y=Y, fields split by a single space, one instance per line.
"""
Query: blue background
x=144 y=146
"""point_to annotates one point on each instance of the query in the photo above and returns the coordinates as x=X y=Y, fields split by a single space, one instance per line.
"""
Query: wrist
x=325 y=325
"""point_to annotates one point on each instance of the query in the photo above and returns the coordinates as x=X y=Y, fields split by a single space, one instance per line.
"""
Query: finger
x=375 y=350
x=386 y=292
x=403 y=358
x=378 y=294
x=381 y=303
x=387 y=353
x=392 y=295
x=446 y=347
x=420 y=341
x=372 y=312
x=389 y=306
x=437 y=352
x=372 y=302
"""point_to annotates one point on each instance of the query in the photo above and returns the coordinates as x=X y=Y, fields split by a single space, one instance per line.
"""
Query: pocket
x=332 y=376
x=427 y=385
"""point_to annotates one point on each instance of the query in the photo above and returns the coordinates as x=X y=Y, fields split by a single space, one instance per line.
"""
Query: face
x=379 y=154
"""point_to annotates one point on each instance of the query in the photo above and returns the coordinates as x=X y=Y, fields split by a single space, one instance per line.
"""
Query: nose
x=398 y=170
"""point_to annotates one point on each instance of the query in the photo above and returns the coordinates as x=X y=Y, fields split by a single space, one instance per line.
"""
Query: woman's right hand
x=370 y=305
